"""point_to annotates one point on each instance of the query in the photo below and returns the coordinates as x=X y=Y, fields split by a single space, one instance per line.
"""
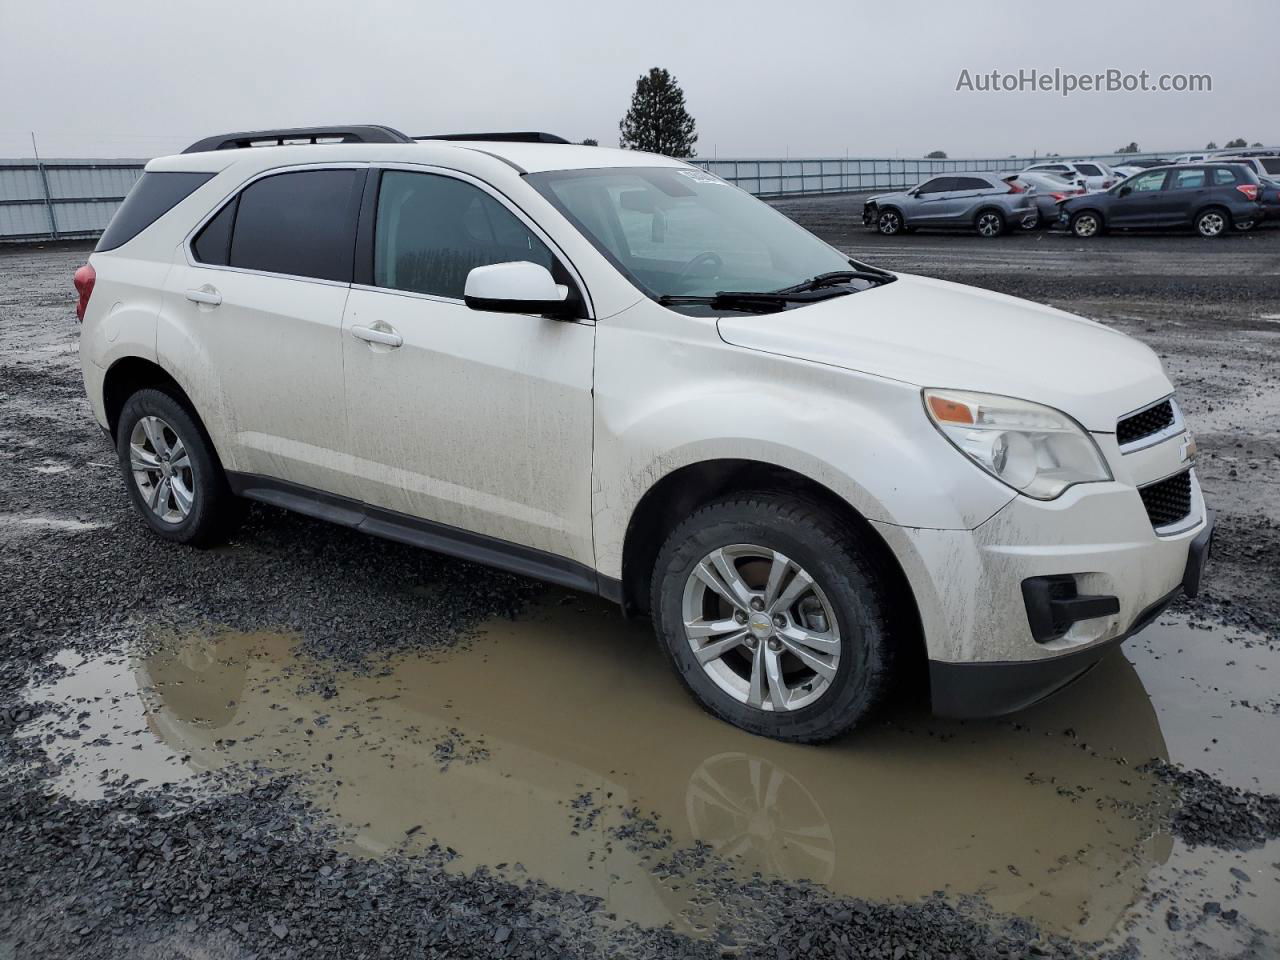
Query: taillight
x=84 y=279
x=1014 y=188
x=1107 y=184
x=1059 y=197
x=1250 y=190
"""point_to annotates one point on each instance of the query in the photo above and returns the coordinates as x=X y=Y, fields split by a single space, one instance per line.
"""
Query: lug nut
x=751 y=643
x=779 y=621
x=740 y=616
x=757 y=603
x=775 y=644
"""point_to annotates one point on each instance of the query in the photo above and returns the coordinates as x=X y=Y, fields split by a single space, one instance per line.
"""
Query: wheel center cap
x=760 y=625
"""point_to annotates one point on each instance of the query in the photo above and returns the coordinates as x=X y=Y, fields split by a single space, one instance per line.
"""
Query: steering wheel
x=709 y=258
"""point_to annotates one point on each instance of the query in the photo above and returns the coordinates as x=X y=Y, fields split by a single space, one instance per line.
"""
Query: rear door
x=1140 y=205
x=256 y=297
x=965 y=196
x=1187 y=191
x=474 y=420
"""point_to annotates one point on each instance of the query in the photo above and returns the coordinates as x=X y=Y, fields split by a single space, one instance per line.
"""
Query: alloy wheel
x=161 y=468
x=889 y=223
x=1030 y=221
x=989 y=224
x=1086 y=225
x=1211 y=224
x=761 y=627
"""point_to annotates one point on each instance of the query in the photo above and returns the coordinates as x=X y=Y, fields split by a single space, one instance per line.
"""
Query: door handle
x=206 y=294
x=386 y=337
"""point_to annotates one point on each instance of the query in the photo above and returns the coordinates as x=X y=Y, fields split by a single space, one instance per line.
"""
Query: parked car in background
x=982 y=202
x=1210 y=198
x=1130 y=167
x=1192 y=157
x=1047 y=190
x=1263 y=166
x=1091 y=174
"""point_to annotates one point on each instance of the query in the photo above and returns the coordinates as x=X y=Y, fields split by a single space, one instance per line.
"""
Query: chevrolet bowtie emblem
x=1188 y=451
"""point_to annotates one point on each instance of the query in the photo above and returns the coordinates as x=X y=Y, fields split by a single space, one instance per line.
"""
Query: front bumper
x=995 y=688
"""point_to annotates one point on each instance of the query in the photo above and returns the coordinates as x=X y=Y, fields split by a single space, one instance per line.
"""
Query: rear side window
x=1222 y=176
x=970 y=183
x=1188 y=179
x=301 y=224
x=1270 y=164
x=154 y=195
x=1089 y=169
x=431 y=231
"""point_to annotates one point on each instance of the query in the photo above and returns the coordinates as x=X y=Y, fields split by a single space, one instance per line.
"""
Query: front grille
x=1145 y=422
x=1168 y=500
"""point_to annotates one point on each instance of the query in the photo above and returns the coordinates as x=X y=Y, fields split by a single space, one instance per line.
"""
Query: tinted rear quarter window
x=301 y=224
x=213 y=243
x=154 y=195
x=1089 y=169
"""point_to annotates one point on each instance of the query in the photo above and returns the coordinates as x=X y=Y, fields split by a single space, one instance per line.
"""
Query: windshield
x=684 y=232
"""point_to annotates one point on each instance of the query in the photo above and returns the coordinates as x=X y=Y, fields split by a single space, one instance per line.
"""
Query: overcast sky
x=138 y=78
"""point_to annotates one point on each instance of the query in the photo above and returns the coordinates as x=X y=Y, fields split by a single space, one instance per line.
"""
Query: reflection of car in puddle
x=737 y=803
x=1020 y=811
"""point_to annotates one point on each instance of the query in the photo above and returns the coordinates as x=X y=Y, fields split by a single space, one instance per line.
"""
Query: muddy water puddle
x=561 y=747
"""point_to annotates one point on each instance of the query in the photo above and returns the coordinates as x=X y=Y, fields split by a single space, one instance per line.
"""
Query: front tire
x=889 y=222
x=1086 y=225
x=773 y=617
x=172 y=472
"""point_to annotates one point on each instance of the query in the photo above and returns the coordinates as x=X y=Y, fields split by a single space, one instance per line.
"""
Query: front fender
x=664 y=402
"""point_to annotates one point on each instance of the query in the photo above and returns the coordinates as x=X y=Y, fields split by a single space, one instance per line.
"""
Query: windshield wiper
x=745 y=300
x=835 y=277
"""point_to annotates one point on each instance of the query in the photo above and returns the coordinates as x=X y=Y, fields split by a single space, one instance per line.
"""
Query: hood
x=884 y=196
x=931 y=333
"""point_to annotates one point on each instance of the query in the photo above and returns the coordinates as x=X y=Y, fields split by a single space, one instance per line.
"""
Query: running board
x=416 y=532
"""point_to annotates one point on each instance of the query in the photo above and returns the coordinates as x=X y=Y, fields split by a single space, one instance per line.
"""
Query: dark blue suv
x=1210 y=198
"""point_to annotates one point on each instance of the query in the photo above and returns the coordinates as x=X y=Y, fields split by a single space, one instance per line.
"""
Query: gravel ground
x=242 y=862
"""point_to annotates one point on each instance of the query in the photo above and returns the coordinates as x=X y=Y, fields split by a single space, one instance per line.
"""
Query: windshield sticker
x=701 y=176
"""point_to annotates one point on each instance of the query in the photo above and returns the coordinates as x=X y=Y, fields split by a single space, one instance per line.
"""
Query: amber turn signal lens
x=948 y=411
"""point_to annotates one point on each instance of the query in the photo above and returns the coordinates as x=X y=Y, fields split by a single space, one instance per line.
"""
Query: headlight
x=1037 y=450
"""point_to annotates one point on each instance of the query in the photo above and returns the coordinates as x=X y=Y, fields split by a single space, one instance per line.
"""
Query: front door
x=478 y=421
x=1142 y=205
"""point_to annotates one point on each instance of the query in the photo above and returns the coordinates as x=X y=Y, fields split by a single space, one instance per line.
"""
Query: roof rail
x=355 y=133
x=519 y=136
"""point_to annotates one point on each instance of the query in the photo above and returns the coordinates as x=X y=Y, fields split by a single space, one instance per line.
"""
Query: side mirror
x=1124 y=191
x=518 y=287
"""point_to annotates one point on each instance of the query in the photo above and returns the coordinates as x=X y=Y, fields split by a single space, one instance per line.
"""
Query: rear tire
x=816 y=633
x=1213 y=222
x=989 y=223
x=172 y=472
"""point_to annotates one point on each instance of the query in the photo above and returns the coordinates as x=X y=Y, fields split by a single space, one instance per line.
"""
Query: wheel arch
x=677 y=494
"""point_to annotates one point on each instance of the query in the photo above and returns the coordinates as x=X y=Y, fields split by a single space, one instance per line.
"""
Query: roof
x=526 y=157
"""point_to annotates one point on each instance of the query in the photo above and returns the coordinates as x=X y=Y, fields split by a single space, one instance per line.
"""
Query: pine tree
x=657 y=121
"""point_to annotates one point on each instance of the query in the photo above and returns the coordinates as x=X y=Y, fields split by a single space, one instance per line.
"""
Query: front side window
x=1188 y=179
x=936 y=185
x=432 y=230
x=1148 y=181
x=300 y=223
x=685 y=232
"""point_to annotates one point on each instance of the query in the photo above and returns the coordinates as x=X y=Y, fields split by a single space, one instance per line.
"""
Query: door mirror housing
x=517 y=287
x=1124 y=191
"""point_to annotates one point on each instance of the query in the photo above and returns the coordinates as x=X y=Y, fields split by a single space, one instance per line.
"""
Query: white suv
x=616 y=372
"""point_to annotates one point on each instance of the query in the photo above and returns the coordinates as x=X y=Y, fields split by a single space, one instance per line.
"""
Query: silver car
x=975 y=201
x=1046 y=189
